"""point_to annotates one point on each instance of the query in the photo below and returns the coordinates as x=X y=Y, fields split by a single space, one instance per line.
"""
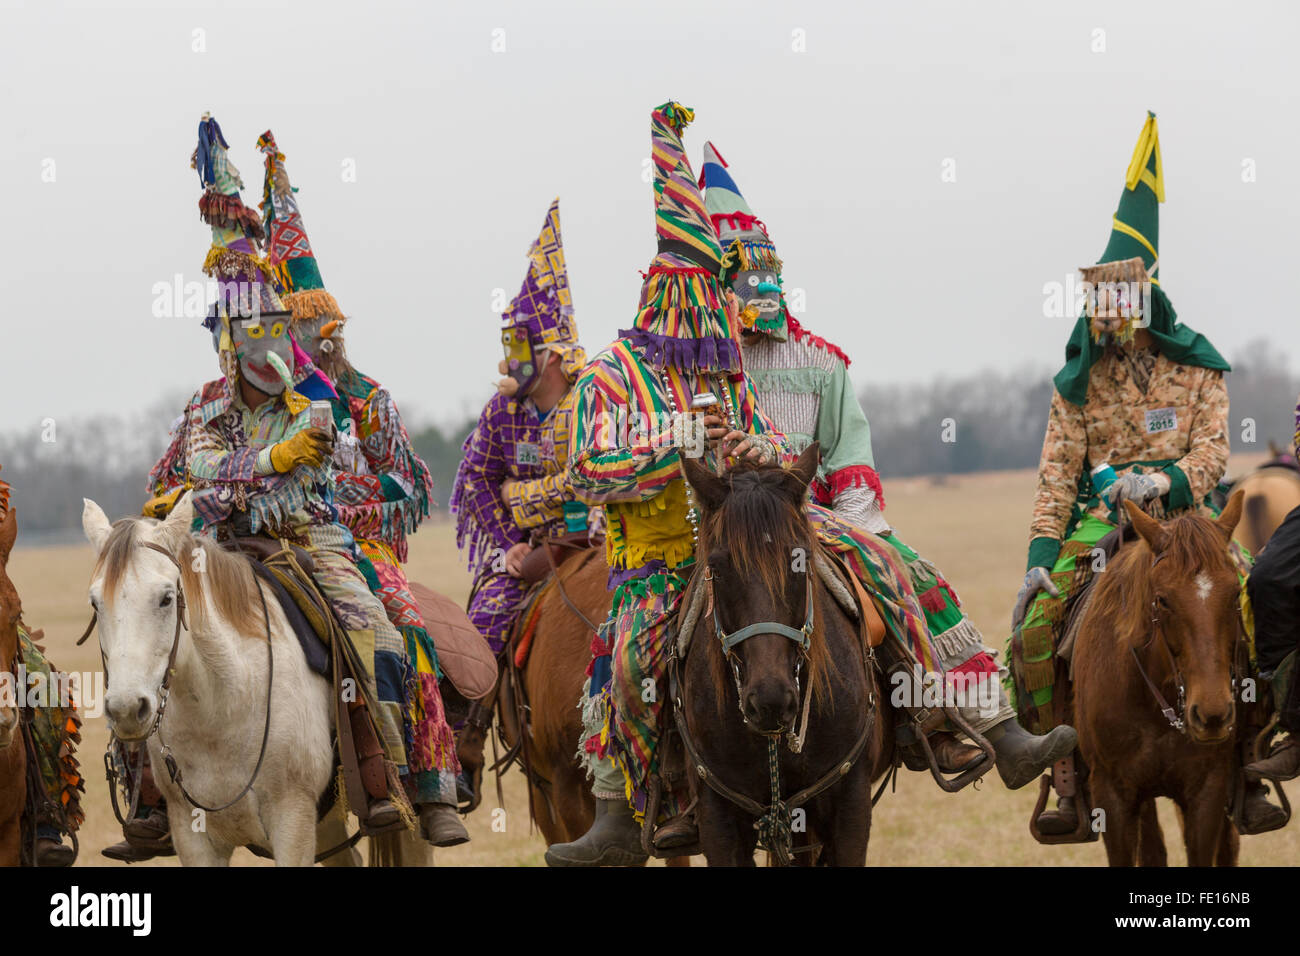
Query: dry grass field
x=971 y=527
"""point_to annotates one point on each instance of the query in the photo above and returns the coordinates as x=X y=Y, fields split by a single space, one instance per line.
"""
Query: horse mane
x=226 y=584
x=1124 y=593
x=758 y=524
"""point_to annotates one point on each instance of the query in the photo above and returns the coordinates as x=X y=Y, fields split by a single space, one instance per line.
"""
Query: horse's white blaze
x=1204 y=586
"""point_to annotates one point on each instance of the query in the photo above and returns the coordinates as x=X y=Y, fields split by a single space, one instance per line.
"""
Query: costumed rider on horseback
x=512 y=489
x=382 y=491
x=803 y=387
x=638 y=404
x=1274 y=587
x=1140 y=413
x=54 y=777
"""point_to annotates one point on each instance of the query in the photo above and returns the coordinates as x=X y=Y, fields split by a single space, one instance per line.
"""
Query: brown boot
x=127 y=852
x=52 y=852
x=952 y=755
x=1282 y=763
x=150 y=832
x=1259 y=815
x=440 y=825
x=678 y=832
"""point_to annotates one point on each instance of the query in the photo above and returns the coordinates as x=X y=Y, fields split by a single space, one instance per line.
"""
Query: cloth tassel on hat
x=295 y=402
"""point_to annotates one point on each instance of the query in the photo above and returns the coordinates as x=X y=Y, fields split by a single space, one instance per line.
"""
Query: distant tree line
x=983 y=421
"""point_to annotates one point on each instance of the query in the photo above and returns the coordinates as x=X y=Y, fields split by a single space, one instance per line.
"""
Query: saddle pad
x=317 y=654
x=463 y=654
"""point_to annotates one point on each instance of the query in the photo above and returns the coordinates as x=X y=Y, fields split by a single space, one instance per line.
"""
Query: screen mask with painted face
x=315 y=336
x=759 y=295
x=521 y=363
x=256 y=338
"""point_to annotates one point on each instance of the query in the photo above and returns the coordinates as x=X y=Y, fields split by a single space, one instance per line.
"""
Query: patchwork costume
x=803 y=386
x=513 y=482
x=631 y=400
x=382 y=488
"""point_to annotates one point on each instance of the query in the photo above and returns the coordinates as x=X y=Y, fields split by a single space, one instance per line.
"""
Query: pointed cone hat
x=288 y=250
x=543 y=309
x=682 y=320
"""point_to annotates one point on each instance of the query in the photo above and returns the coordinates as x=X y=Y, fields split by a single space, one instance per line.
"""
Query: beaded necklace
x=692 y=510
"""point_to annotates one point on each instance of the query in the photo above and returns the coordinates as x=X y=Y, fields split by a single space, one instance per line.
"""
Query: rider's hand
x=1036 y=580
x=515 y=558
x=159 y=506
x=738 y=446
x=1136 y=488
x=309 y=447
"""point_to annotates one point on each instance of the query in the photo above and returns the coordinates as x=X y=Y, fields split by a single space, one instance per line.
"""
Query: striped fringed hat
x=288 y=249
x=682 y=320
x=234 y=258
x=742 y=235
x=543 y=309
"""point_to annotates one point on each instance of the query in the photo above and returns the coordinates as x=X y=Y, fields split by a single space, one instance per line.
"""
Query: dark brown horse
x=13 y=754
x=1154 y=700
x=795 y=668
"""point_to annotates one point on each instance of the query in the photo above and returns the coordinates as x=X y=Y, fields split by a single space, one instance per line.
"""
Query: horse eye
x=1160 y=600
x=166 y=600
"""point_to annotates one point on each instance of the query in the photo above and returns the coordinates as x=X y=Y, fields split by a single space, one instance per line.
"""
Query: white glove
x=1036 y=580
x=1136 y=488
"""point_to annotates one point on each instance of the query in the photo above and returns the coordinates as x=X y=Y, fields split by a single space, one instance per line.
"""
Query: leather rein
x=164 y=689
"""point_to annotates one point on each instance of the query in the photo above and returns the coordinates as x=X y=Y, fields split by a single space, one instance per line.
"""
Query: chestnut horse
x=1153 y=688
x=773 y=655
x=13 y=754
x=1269 y=494
x=552 y=679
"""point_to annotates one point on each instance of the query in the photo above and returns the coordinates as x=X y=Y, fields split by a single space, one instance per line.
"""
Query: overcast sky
x=461 y=122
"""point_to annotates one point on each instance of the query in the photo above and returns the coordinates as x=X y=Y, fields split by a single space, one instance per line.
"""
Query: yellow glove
x=309 y=447
x=159 y=506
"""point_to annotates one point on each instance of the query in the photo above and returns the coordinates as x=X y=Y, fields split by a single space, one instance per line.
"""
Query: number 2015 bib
x=1161 y=420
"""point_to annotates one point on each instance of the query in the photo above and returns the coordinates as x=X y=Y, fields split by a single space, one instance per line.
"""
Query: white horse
x=216 y=707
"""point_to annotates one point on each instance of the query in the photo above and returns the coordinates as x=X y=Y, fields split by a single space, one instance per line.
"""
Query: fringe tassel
x=311 y=304
x=1040 y=674
x=961 y=635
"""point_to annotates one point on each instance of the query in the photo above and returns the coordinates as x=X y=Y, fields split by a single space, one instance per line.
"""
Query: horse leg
x=1120 y=828
x=1203 y=821
x=292 y=828
x=573 y=802
x=850 y=821
x=413 y=849
x=723 y=836
x=194 y=845
x=1229 y=845
x=11 y=842
x=1151 y=845
x=331 y=832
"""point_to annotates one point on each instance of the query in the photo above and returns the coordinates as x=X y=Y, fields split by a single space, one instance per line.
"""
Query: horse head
x=11 y=610
x=1191 y=596
x=136 y=594
x=757 y=551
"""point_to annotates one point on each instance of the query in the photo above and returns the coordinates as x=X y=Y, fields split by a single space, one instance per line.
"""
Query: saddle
x=463 y=654
x=537 y=565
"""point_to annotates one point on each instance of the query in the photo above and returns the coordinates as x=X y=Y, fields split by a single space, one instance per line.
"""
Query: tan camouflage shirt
x=1181 y=415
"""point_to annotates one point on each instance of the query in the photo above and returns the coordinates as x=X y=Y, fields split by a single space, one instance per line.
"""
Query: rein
x=164 y=689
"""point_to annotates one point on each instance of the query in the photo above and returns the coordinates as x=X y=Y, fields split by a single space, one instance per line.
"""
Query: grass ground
x=973 y=527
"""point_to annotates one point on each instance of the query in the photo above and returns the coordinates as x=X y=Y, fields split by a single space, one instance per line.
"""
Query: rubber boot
x=613 y=840
x=1022 y=756
x=440 y=825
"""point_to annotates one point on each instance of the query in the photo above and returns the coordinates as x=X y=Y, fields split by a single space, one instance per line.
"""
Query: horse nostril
x=142 y=710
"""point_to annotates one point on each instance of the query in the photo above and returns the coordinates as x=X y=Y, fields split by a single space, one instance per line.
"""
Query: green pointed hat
x=1132 y=254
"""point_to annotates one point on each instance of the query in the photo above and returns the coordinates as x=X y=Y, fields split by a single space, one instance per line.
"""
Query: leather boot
x=440 y=825
x=52 y=851
x=128 y=852
x=150 y=832
x=1283 y=763
x=952 y=755
x=1023 y=756
x=1261 y=815
x=1064 y=819
x=678 y=832
x=613 y=840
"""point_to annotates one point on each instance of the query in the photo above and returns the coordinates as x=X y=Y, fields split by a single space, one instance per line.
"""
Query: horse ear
x=708 y=487
x=1231 y=514
x=180 y=518
x=805 y=466
x=95 y=523
x=1151 y=530
x=8 y=534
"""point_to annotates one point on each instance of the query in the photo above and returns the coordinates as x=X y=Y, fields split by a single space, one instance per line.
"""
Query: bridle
x=164 y=689
x=1176 y=716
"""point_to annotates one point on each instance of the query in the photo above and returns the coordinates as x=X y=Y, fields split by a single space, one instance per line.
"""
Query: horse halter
x=801 y=636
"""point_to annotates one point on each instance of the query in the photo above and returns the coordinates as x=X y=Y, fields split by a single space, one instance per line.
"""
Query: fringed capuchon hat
x=1132 y=257
x=682 y=319
x=743 y=237
x=540 y=317
x=288 y=250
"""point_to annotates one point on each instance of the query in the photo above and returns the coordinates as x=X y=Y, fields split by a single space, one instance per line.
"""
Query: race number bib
x=527 y=454
x=1161 y=420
